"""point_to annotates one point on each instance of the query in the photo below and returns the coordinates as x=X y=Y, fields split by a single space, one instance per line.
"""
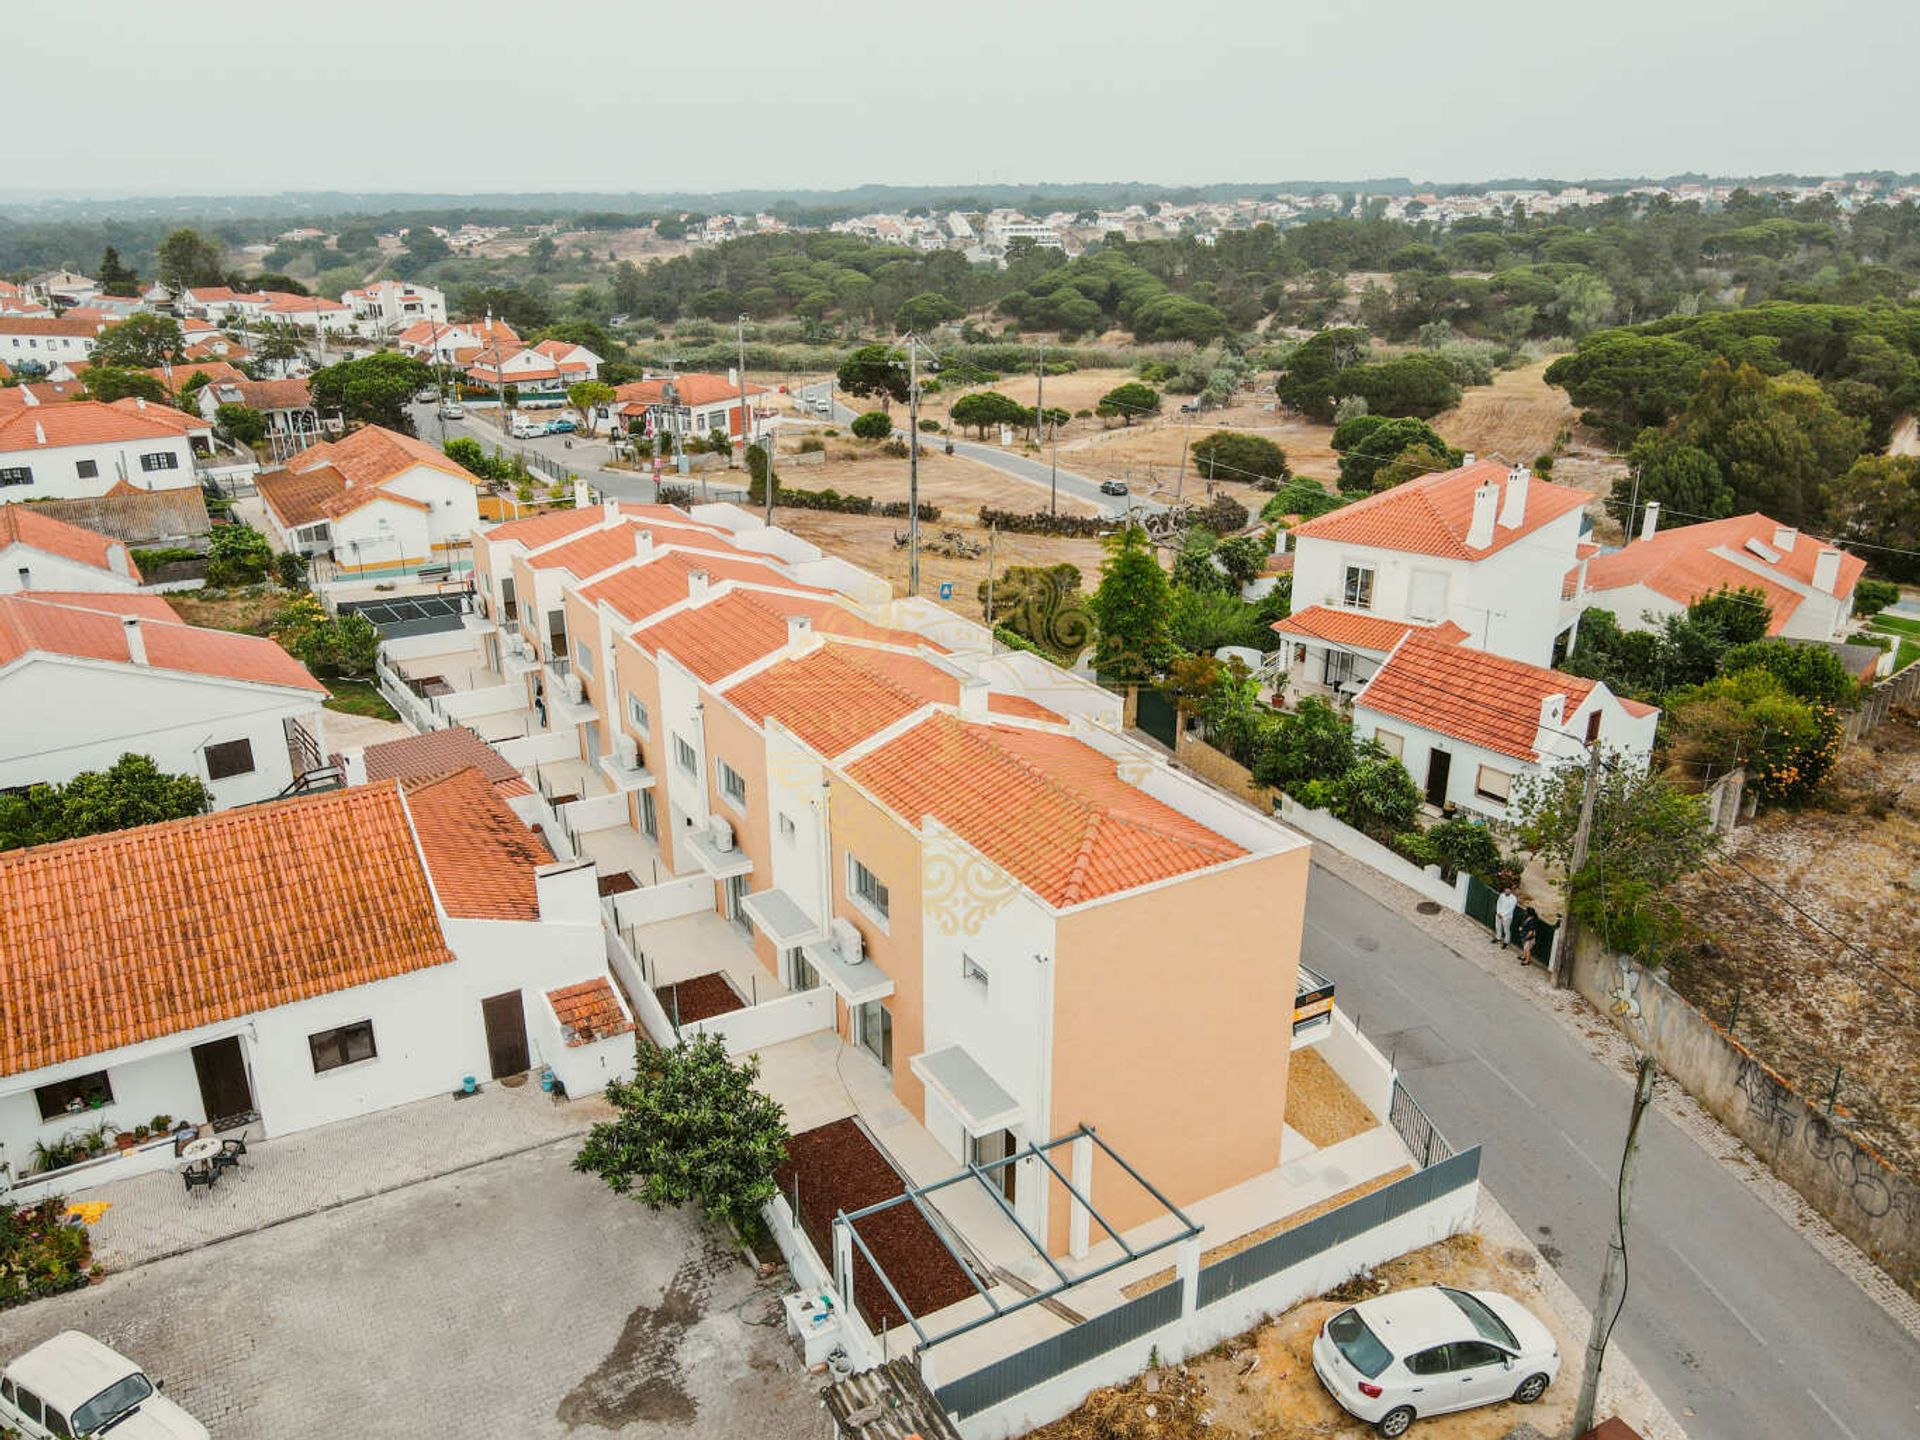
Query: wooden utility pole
x=1613 y=1279
x=1562 y=968
x=913 y=466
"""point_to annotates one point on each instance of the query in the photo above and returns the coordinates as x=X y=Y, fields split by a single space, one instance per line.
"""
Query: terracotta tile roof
x=1361 y=632
x=40 y=392
x=374 y=455
x=1049 y=809
x=320 y=494
x=439 y=752
x=481 y=855
x=26 y=525
x=84 y=422
x=214 y=370
x=1683 y=565
x=1471 y=695
x=142 y=933
x=178 y=420
x=645 y=588
x=595 y=551
x=263 y=394
x=695 y=390
x=230 y=349
x=281 y=303
x=46 y=325
x=30 y=624
x=743 y=626
x=138 y=517
x=588 y=1011
x=1431 y=515
x=110 y=602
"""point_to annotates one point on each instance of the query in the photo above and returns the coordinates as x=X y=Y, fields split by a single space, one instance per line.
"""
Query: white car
x=528 y=429
x=1411 y=1353
x=452 y=411
x=74 y=1385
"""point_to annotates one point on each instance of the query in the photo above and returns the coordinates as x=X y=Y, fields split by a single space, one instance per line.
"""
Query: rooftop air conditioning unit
x=720 y=833
x=576 y=692
x=848 y=940
x=626 y=752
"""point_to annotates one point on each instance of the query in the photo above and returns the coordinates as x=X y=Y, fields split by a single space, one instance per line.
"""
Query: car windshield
x=1360 y=1346
x=1489 y=1325
x=116 y=1399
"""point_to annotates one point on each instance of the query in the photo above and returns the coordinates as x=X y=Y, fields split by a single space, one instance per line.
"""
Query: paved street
x=1740 y=1325
x=515 y=1300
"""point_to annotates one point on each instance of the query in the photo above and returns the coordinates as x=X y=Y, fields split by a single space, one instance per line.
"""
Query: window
x=347 y=1045
x=1391 y=742
x=1472 y=1354
x=28 y=1404
x=16 y=474
x=229 y=758
x=1593 y=727
x=1489 y=1325
x=684 y=757
x=1492 y=784
x=1358 y=592
x=159 y=460
x=1341 y=667
x=557 y=633
x=78 y=1093
x=509 y=609
x=583 y=661
x=733 y=785
x=1359 y=1345
x=86 y=469
x=972 y=970
x=1429 y=1362
x=637 y=713
x=787 y=828
x=1426 y=595
x=864 y=886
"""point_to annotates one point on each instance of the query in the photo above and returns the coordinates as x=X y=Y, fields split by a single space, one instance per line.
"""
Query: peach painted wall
x=730 y=737
x=891 y=852
x=634 y=672
x=1172 y=1027
x=583 y=631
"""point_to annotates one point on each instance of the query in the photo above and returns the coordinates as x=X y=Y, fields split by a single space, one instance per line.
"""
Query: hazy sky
x=116 y=95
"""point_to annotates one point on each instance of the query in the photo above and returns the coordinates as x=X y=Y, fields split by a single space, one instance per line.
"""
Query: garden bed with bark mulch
x=701 y=998
x=838 y=1168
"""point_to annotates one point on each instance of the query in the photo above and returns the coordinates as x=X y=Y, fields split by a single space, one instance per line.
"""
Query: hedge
x=833 y=500
x=1043 y=522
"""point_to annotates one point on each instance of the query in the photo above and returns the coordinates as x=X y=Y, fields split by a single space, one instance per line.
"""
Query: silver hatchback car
x=1396 y=1357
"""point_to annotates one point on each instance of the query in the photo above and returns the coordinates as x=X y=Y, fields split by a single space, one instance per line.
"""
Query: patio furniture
x=199 y=1177
x=229 y=1155
x=204 y=1148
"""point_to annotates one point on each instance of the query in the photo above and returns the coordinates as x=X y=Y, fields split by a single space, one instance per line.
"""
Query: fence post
x=1187 y=1262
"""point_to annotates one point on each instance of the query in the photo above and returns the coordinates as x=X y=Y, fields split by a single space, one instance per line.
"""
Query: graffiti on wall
x=1775 y=1110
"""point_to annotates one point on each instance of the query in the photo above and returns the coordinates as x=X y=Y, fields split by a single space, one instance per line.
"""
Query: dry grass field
x=1514 y=419
x=958 y=486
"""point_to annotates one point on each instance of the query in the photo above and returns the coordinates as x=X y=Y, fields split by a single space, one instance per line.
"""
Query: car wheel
x=1394 y=1423
x=1531 y=1389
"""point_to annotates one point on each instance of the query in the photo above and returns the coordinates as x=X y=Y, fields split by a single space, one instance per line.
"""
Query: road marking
x=1592 y=1164
x=1502 y=1078
x=1714 y=1291
x=1827 y=1410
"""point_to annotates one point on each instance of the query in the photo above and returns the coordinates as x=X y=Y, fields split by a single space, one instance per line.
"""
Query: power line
x=1820 y=925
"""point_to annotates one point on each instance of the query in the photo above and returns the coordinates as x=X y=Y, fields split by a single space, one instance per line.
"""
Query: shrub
x=1376 y=796
x=290 y=569
x=833 y=500
x=1466 y=845
x=895 y=449
x=237 y=555
x=1306 y=498
x=874 y=425
x=1870 y=597
x=1042 y=522
x=1417 y=846
x=930 y=426
x=40 y=1254
x=812 y=445
x=1312 y=743
x=1228 y=455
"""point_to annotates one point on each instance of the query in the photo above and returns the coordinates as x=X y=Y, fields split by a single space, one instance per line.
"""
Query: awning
x=778 y=916
x=720 y=864
x=856 y=984
x=976 y=1097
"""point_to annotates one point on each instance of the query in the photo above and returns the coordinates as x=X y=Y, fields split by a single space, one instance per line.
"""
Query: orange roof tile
x=588 y=1011
x=263 y=394
x=438 y=752
x=177 y=376
x=110 y=602
x=40 y=392
x=47 y=325
x=374 y=455
x=85 y=422
x=1471 y=695
x=25 y=525
x=481 y=855
x=746 y=625
x=1361 y=632
x=1681 y=563
x=322 y=493
x=694 y=390
x=1430 y=515
x=92 y=629
x=1049 y=809
x=647 y=587
x=178 y=420
x=591 y=553
x=142 y=933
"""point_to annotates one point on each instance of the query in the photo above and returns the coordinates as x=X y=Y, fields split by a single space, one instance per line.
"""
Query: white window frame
x=638 y=716
x=1479 y=784
x=1391 y=741
x=974 y=973
x=1349 y=589
x=685 y=756
x=730 y=784
x=862 y=895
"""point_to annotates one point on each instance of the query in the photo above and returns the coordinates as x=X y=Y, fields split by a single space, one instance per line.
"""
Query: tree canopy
x=1129 y=609
x=374 y=389
x=140 y=342
x=132 y=791
x=1130 y=401
x=1235 y=455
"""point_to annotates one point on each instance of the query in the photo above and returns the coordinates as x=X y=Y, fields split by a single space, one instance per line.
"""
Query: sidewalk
x=153 y=1216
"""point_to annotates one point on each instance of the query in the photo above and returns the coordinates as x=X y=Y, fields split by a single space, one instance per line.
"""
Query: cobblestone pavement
x=280 y=1179
x=513 y=1298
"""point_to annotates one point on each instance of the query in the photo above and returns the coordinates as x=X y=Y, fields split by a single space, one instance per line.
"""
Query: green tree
x=1625 y=381
x=1129 y=609
x=1750 y=718
x=132 y=791
x=1376 y=795
x=237 y=555
x=1777 y=440
x=1811 y=672
x=689 y=1128
x=1584 y=301
x=926 y=310
x=241 y=422
x=587 y=396
x=107 y=383
x=115 y=277
x=373 y=390
x=1232 y=455
x=1877 y=503
x=278 y=342
x=1683 y=478
x=187 y=258
x=873 y=425
x=543 y=252
x=877 y=372
x=987 y=407
x=1129 y=401
x=423 y=248
x=1368 y=443
x=140 y=342
x=1312 y=742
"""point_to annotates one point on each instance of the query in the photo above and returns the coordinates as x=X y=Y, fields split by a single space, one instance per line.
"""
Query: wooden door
x=506 y=1034
x=1439 y=767
x=225 y=1091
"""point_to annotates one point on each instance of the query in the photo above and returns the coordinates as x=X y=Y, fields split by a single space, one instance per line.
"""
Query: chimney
x=26 y=577
x=1826 y=571
x=609 y=513
x=642 y=544
x=1553 y=711
x=733 y=377
x=1280 y=535
x=697 y=586
x=1650 y=520
x=27 y=397
x=1480 y=532
x=39 y=433
x=1784 y=537
x=1467 y=459
x=139 y=402
x=973 y=698
x=136 y=641
x=118 y=560
x=1513 y=513
x=799 y=633
x=581 y=494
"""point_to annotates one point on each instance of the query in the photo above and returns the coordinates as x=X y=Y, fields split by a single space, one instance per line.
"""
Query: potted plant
x=160 y=1124
x=142 y=1133
x=125 y=1140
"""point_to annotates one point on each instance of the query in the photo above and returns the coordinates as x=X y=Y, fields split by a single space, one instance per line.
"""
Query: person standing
x=1503 y=909
x=1526 y=930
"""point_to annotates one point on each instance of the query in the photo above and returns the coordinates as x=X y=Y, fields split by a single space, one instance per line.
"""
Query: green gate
x=1156 y=715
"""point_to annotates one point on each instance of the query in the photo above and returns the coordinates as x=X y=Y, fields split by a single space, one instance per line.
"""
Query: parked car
x=452 y=410
x=1429 y=1351
x=1113 y=487
x=521 y=428
x=562 y=426
x=74 y=1385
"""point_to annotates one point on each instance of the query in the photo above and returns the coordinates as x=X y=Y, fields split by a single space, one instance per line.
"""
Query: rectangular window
x=86 y=469
x=68 y=1097
x=973 y=971
x=557 y=633
x=1391 y=741
x=229 y=758
x=1593 y=727
x=159 y=460
x=1340 y=667
x=583 y=661
x=1426 y=595
x=684 y=757
x=1358 y=592
x=637 y=713
x=863 y=885
x=1492 y=784
x=733 y=785
x=16 y=474
x=509 y=611
x=348 y=1045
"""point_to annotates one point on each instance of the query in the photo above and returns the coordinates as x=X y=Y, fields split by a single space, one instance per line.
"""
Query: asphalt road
x=1739 y=1324
x=584 y=457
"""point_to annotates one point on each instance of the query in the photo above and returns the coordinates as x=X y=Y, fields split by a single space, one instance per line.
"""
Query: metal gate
x=1156 y=715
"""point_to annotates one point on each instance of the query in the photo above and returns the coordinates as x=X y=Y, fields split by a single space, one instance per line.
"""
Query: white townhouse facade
x=79 y=449
x=395 y=304
x=46 y=340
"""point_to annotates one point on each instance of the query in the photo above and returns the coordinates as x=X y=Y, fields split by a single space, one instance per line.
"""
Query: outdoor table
x=194 y=1151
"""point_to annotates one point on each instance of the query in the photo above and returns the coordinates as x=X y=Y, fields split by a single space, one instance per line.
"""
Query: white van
x=73 y=1385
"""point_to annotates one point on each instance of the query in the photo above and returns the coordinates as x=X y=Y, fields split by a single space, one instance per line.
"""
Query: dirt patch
x=1810 y=1006
x=1514 y=419
x=957 y=485
x=701 y=998
x=640 y=1378
x=1261 y=1384
x=1319 y=1104
x=248 y=614
x=837 y=1168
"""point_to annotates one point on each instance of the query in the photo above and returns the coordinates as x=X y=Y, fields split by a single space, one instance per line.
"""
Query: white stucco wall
x=56 y=469
x=795 y=782
x=46 y=571
x=686 y=792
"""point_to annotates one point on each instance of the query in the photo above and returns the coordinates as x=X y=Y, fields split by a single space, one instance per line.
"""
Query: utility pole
x=1053 y=484
x=1186 y=438
x=746 y=428
x=1613 y=1280
x=1040 y=394
x=1562 y=970
x=993 y=538
x=913 y=466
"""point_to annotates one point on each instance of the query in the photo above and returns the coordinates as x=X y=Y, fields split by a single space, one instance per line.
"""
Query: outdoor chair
x=199 y=1177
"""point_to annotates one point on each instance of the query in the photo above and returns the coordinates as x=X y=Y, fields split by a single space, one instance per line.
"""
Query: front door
x=989 y=1148
x=736 y=909
x=1439 y=767
x=649 y=816
x=225 y=1093
x=506 y=1034
x=876 y=1032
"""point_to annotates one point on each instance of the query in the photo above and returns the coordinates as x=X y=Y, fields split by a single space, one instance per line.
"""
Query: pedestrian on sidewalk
x=1503 y=909
x=1526 y=930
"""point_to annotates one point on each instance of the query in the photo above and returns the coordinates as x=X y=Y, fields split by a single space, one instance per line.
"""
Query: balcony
x=718 y=854
x=477 y=618
x=625 y=777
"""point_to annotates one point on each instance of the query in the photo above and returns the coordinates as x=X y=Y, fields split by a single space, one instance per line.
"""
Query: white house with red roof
x=77 y=449
x=395 y=304
x=686 y=405
x=1807 y=583
x=46 y=340
x=1469 y=725
x=440 y=342
x=38 y=552
x=87 y=676
x=1486 y=547
x=310 y=312
x=221 y=303
x=547 y=368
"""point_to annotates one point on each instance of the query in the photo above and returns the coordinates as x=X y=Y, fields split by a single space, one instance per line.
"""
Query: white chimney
x=582 y=497
x=1485 y=500
x=1826 y=571
x=974 y=690
x=642 y=544
x=697 y=586
x=1784 y=537
x=139 y=402
x=1553 y=710
x=39 y=434
x=799 y=633
x=1280 y=534
x=118 y=560
x=26 y=577
x=1467 y=459
x=733 y=377
x=1513 y=512
x=1650 y=521
x=136 y=642
x=27 y=397
x=609 y=513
